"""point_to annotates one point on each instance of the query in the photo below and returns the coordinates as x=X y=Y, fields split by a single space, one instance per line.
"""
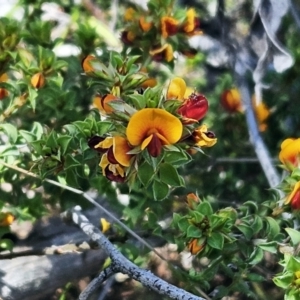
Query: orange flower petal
x=105 y=144
x=294 y=193
x=150 y=82
x=120 y=149
x=101 y=102
x=146 y=141
x=169 y=53
x=144 y=24
x=86 y=63
x=165 y=51
x=189 y=25
x=203 y=137
x=153 y=120
x=290 y=152
x=3 y=77
x=176 y=89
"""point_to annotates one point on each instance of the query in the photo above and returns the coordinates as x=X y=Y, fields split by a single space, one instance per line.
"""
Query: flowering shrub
x=141 y=115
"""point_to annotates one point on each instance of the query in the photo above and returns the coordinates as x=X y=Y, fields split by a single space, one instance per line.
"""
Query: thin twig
x=94 y=284
x=119 y=263
x=241 y=160
x=108 y=284
x=91 y=200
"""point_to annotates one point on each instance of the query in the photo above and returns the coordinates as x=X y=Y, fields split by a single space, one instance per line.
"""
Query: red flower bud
x=193 y=109
x=295 y=202
x=3 y=93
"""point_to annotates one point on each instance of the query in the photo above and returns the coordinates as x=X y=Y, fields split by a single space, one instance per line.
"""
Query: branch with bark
x=120 y=263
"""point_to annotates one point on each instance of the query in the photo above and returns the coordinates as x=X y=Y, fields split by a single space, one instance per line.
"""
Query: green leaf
x=216 y=240
x=267 y=246
x=193 y=231
x=176 y=157
x=205 y=208
x=103 y=127
x=59 y=64
x=160 y=190
x=38 y=146
x=257 y=224
x=71 y=178
x=138 y=101
x=216 y=221
x=32 y=96
x=168 y=174
x=246 y=230
x=145 y=173
x=256 y=256
x=294 y=235
x=285 y=280
x=28 y=136
x=183 y=224
x=11 y=131
x=63 y=142
x=51 y=141
x=273 y=228
x=9 y=151
x=71 y=162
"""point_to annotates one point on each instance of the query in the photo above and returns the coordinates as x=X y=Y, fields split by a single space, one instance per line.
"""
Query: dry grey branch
x=119 y=263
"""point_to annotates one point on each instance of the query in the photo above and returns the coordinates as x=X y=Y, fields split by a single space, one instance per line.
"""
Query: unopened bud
x=38 y=80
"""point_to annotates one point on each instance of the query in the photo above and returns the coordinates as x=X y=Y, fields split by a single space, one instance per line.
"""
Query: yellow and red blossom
x=113 y=172
x=115 y=159
x=162 y=53
x=294 y=197
x=152 y=128
x=192 y=23
x=289 y=154
x=169 y=26
x=117 y=148
x=204 y=138
x=231 y=100
x=127 y=37
x=102 y=103
x=3 y=91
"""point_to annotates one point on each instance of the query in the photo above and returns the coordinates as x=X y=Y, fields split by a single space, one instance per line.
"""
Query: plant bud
x=38 y=80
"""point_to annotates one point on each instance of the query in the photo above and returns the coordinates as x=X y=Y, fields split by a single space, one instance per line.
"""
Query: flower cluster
x=231 y=101
x=159 y=29
x=148 y=125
